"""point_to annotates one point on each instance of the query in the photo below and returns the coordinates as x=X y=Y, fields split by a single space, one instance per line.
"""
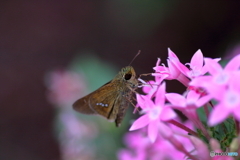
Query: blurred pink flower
x=201 y=149
x=219 y=78
x=77 y=128
x=229 y=105
x=64 y=87
x=125 y=154
x=137 y=141
x=75 y=135
x=222 y=85
x=139 y=146
x=215 y=146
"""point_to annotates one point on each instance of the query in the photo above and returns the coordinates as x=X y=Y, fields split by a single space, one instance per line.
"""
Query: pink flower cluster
x=72 y=132
x=162 y=135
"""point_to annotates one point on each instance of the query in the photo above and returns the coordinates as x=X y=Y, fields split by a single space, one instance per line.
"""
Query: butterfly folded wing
x=100 y=102
x=81 y=105
x=104 y=102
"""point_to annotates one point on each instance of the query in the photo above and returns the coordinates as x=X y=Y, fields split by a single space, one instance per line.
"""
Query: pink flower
x=219 y=78
x=167 y=135
x=201 y=149
x=155 y=113
x=222 y=85
x=188 y=105
x=196 y=66
x=151 y=88
x=136 y=141
x=172 y=71
x=73 y=134
x=125 y=154
x=229 y=105
x=75 y=128
x=192 y=100
x=162 y=149
x=139 y=147
x=215 y=147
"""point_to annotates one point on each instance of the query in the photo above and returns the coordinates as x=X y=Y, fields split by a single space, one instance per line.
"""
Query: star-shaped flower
x=155 y=113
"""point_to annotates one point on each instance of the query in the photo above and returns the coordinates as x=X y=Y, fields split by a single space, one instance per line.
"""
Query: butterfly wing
x=101 y=102
x=81 y=105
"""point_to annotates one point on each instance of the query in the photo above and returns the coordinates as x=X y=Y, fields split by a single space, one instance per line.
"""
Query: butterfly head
x=128 y=74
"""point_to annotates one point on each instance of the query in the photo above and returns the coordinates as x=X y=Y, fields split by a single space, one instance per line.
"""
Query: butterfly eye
x=127 y=76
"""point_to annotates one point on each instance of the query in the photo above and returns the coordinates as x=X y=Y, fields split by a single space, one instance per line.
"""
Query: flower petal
x=167 y=114
x=171 y=54
x=160 y=69
x=201 y=148
x=176 y=99
x=148 y=87
x=213 y=67
x=160 y=95
x=218 y=115
x=165 y=131
x=233 y=64
x=140 y=123
x=153 y=130
x=173 y=70
x=158 y=62
x=237 y=113
x=205 y=69
x=192 y=96
x=197 y=59
x=234 y=80
x=203 y=100
x=141 y=101
x=182 y=68
x=202 y=81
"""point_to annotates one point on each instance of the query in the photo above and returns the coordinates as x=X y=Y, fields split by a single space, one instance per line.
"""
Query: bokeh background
x=37 y=37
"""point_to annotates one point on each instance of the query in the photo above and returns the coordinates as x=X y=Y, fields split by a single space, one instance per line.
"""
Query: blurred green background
x=39 y=36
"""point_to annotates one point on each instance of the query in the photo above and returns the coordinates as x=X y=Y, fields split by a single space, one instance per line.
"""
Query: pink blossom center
x=232 y=99
x=154 y=113
x=221 y=78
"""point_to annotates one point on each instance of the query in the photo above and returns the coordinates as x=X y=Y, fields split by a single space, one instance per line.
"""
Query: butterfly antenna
x=135 y=57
